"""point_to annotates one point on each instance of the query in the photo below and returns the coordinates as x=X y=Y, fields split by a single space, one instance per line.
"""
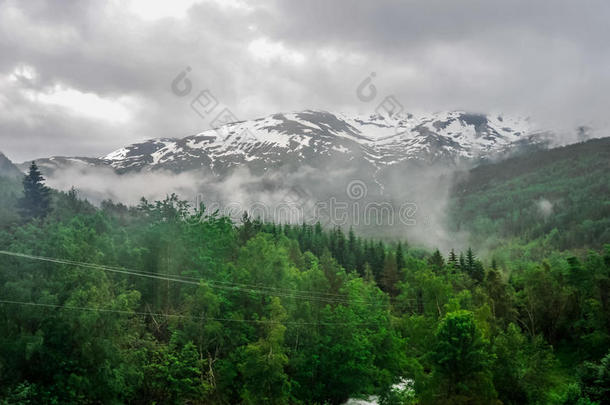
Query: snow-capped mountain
x=316 y=137
x=319 y=165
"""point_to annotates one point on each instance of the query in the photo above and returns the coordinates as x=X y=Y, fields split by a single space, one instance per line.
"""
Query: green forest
x=539 y=202
x=163 y=304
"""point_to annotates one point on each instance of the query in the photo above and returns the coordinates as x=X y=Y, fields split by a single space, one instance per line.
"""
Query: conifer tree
x=436 y=260
x=470 y=260
x=351 y=254
x=368 y=273
x=36 y=196
x=474 y=267
x=452 y=260
x=247 y=229
x=400 y=258
x=478 y=272
x=390 y=276
x=379 y=252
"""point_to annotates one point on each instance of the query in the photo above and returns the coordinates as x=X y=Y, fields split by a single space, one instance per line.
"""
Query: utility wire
x=197 y=279
x=297 y=294
x=201 y=318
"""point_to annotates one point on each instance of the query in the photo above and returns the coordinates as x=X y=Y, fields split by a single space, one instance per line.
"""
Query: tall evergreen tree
x=36 y=196
x=379 y=260
x=246 y=231
x=436 y=260
x=452 y=257
x=390 y=276
x=474 y=267
x=478 y=272
x=351 y=254
x=470 y=258
x=400 y=258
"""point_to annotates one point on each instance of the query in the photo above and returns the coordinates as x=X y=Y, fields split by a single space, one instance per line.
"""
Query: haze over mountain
x=96 y=87
x=7 y=168
x=316 y=202
x=320 y=137
x=390 y=174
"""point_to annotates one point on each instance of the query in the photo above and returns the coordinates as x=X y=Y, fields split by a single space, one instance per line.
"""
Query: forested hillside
x=547 y=200
x=8 y=169
x=10 y=190
x=157 y=304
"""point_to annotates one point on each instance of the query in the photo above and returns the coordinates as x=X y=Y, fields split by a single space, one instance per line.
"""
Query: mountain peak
x=271 y=139
x=317 y=135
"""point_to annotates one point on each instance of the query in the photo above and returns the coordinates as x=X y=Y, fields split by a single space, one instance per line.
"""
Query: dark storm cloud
x=548 y=60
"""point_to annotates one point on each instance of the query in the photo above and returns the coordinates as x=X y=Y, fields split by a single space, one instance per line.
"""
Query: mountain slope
x=8 y=169
x=10 y=191
x=319 y=137
x=560 y=195
x=366 y=171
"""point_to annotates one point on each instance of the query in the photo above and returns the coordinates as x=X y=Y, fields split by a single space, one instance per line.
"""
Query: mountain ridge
x=8 y=168
x=560 y=196
x=288 y=139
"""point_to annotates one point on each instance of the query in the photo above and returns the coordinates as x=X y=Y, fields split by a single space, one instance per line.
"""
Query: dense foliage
x=35 y=202
x=157 y=304
x=543 y=201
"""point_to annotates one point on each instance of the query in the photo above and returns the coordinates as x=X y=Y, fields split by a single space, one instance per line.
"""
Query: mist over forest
x=345 y=203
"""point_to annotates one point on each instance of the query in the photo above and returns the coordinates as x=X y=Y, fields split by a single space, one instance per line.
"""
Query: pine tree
x=379 y=260
x=320 y=241
x=470 y=260
x=368 y=273
x=246 y=231
x=390 y=276
x=341 y=249
x=452 y=260
x=351 y=239
x=351 y=254
x=36 y=196
x=400 y=258
x=436 y=261
x=474 y=267
x=478 y=272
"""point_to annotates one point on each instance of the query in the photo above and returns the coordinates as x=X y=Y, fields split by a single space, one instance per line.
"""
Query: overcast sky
x=86 y=77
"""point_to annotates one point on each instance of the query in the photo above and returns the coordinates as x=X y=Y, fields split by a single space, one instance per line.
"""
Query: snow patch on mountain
x=300 y=137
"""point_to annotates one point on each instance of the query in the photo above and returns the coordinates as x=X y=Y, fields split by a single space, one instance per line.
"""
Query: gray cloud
x=547 y=60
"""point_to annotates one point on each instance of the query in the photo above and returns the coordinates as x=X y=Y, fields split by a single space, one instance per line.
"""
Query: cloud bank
x=85 y=77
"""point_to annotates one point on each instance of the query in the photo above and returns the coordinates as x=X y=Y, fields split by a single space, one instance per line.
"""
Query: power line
x=181 y=316
x=197 y=279
x=297 y=294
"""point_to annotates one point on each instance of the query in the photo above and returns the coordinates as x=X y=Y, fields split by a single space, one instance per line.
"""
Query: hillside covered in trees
x=542 y=201
x=160 y=304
